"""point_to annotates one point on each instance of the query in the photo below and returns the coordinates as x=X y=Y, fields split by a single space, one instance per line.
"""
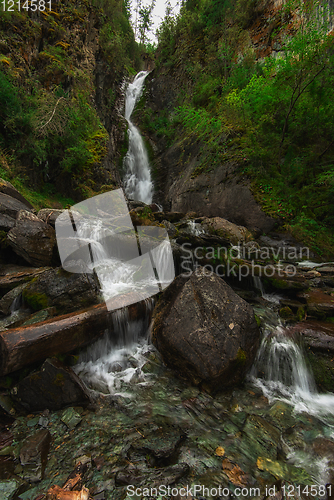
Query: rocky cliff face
x=71 y=73
x=182 y=184
x=194 y=63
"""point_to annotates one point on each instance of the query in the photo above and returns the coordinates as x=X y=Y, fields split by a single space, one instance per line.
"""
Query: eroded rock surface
x=205 y=331
x=32 y=239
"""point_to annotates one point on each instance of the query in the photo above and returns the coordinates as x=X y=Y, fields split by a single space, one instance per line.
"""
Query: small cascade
x=274 y=298
x=258 y=285
x=137 y=181
x=282 y=373
x=115 y=361
x=16 y=304
x=195 y=228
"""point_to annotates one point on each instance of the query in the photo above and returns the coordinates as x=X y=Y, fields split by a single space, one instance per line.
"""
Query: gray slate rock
x=33 y=455
x=32 y=239
x=10 y=206
x=6 y=222
x=8 y=188
x=49 y=215
x=205 y=331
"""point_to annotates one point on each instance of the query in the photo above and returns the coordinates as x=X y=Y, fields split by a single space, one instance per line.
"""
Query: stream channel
x=150 y=428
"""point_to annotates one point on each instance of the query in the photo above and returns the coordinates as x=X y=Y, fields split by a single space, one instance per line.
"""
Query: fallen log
x=22 y=346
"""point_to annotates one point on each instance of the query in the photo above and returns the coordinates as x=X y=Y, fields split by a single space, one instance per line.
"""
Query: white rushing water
x=115 y=360
x=281 y=371
x=137 y=181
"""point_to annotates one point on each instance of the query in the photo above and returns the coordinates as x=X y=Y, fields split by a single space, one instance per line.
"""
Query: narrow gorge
x=166 y=263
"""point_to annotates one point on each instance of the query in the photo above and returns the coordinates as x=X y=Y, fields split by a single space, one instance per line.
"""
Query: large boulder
x=32 y=239
x=66 y=291
x=205 y=331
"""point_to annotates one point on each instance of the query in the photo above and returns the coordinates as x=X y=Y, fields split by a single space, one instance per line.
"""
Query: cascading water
x=115 y=360
x=281 y=372
x=137 y=181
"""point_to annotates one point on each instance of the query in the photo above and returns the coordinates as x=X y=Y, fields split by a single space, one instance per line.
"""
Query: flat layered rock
x=8 y=189
x=318 y=335
x=14 y=276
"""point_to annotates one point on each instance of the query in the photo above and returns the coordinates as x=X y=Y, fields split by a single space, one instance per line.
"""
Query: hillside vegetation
x=256 y=85
x=60 y=81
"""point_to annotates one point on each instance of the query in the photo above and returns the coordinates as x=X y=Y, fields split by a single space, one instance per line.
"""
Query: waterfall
x=137 y=180
x=131 y=266
x=281 y=371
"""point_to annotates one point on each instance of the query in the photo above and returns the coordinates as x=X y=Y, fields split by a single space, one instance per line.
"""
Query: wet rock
x=33 y=455
x=169 y=216
x=171 y=229
x=9 y=487
x=53 y=387
x=161 y=445
x=227 y=230
x=262 y=437
x=153 y=477
x=286 y=281
x=281 y=414
x=49 y=215
x=8 y=189
x=8 y=299
x=10 y=206
x=40 y=316
x=285 y=471
x=317 y=335
x=133 y=204
x=6 y=222
x=66 y=291
x=205 y=331
x=71 y=418
x=32 y=239
x=14 y=320
x=319 y=303
x=13 y=276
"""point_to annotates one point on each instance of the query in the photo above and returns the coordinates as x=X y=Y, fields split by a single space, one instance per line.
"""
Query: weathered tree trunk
x=23 y=346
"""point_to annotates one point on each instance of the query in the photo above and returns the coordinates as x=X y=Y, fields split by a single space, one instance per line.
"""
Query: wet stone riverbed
x=165 y=432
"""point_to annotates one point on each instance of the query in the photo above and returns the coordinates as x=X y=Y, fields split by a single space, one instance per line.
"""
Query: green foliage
x=274 y=117
x=48 y=120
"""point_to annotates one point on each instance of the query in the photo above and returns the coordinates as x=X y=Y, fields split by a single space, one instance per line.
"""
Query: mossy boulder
x=66 y=291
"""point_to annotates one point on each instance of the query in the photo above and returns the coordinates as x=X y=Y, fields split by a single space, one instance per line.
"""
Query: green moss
x=59 y=380
x=285 y=312
x=35 y=300
x=241 y=356
x=3 y=240
x=258 y=320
